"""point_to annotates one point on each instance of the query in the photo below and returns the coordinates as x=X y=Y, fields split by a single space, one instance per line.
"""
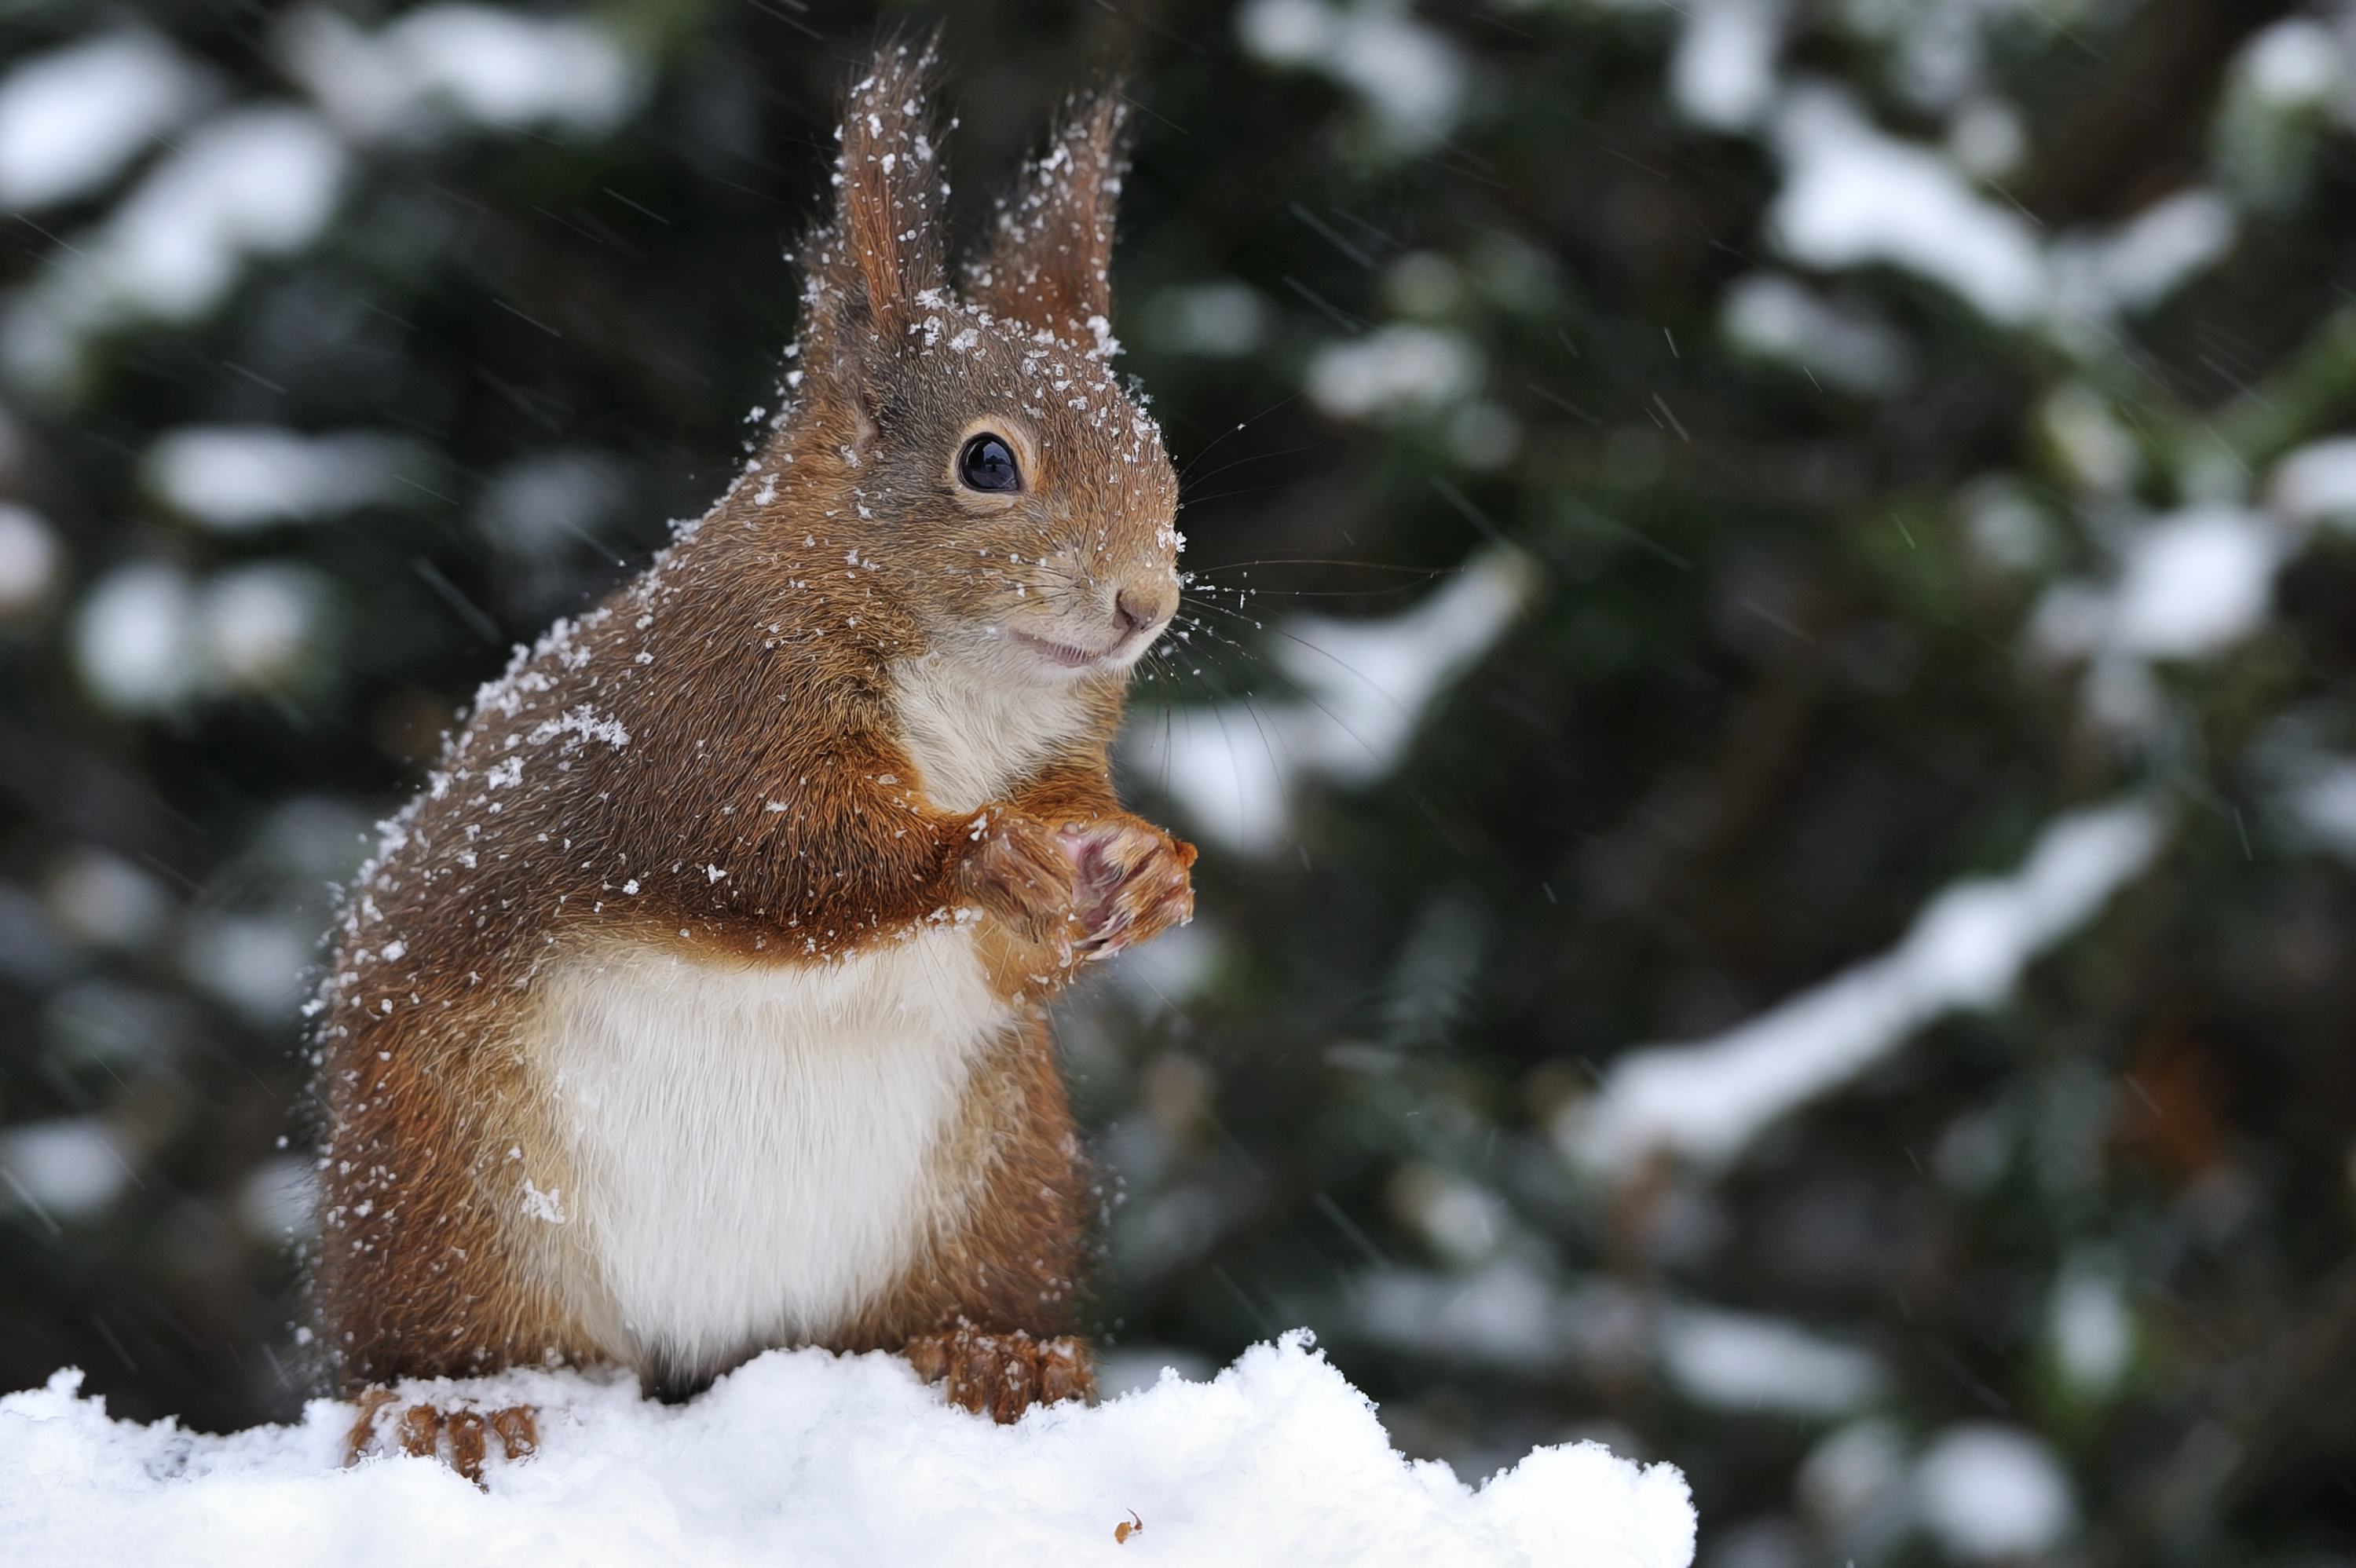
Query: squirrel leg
x=1002 y=1375
x=986 y=1312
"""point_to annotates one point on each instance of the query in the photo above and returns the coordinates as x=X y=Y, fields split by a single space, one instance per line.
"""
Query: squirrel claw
x=1002 y=1375
x=420 y=1429
x=1133 y=885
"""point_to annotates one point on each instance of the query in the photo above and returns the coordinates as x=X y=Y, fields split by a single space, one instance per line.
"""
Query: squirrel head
x=1012 y=500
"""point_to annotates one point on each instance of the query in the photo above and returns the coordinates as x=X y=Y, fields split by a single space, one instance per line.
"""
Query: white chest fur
x=973 y=727
x=751 y=1147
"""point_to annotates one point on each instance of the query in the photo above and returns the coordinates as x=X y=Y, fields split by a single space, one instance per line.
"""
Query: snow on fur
x=802 y=1456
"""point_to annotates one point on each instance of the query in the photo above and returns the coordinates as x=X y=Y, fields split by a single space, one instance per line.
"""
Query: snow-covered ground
x=803 y=1457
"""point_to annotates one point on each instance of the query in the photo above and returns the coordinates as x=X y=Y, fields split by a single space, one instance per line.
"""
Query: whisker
x=1223 y=435
x=1254 y=591
x=1190 y=476
x=1424 y=572
x=1324 y=653
x=1251 y=705
x=1421 y=804
x=1303 y=692
x=1230 y=495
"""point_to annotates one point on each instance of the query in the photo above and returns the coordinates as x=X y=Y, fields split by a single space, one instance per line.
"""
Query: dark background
x=1797 y=658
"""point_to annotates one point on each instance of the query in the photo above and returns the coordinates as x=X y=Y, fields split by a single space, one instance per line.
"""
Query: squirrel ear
x=881 y=247
x=1050 y=261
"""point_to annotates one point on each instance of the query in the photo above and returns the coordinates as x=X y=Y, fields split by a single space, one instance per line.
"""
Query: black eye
x=988 y=463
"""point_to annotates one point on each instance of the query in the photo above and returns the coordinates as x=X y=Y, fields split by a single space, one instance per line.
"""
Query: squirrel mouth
x=1064 y=655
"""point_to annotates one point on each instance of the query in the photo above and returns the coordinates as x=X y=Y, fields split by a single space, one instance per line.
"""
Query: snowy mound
x=803 y=1458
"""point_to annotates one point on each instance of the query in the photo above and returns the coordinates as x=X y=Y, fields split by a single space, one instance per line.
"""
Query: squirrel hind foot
x=426 y=1431
x=1004 y=1374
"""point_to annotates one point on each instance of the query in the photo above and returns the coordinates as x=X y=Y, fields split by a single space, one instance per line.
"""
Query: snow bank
x=803 y=1458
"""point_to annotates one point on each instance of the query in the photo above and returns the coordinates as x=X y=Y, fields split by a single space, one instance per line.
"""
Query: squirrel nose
x=1142 y=607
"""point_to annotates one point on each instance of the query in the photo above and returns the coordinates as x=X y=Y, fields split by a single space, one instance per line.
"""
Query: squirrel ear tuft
x=880 y=249
x=888 y=185
x=1049 y=263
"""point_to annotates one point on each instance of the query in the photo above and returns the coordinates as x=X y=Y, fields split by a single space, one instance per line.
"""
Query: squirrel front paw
x=1002 y=1375
x=1018 y=871
x=1134 y=884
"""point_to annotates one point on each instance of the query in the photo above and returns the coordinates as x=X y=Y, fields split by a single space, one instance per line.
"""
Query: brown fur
x=418 y=1429
x=712 y=759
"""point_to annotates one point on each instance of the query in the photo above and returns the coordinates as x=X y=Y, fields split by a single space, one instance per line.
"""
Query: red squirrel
x=696 y=1005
